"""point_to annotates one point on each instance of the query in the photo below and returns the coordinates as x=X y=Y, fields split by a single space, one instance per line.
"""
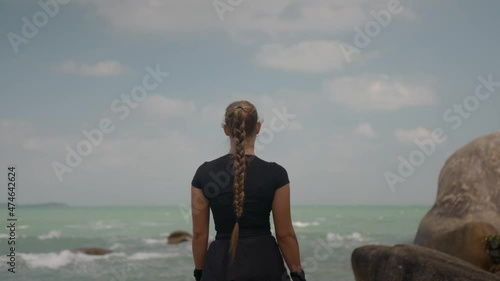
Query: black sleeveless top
x=262 y=179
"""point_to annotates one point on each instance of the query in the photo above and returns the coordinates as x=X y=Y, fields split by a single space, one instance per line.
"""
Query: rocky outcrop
x=178 y=237
x=466 y=243
x=413 y=263
x=92 y=251
x=469 y=190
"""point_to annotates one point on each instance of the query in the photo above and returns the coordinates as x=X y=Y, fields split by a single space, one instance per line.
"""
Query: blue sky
x=355 y=117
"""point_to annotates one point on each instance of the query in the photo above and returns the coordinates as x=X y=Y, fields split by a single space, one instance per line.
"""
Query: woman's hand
x=298 y=276
x=197 y=274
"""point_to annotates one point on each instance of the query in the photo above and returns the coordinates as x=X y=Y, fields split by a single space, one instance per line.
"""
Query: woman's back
x=262 y=179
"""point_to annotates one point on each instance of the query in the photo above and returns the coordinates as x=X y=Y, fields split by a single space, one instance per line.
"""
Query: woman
x=241 y=190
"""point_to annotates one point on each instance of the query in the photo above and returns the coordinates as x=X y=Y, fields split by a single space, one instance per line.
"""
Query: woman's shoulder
x=220 y=159
x=269 y=164
x=278 y=173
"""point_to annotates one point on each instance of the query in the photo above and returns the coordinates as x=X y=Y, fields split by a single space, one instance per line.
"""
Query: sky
x=118 y=102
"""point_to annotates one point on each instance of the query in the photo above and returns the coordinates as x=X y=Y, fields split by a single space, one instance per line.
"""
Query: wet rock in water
x=466 y=243
x=92 y=251
x=178 y=236
x=412 y=263
x=469 y=190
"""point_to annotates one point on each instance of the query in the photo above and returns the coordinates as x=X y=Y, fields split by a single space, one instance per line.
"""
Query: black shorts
x=258 y=258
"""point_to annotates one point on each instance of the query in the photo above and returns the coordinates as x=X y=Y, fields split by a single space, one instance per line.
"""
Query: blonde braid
x=241 y=120
x=239 y=176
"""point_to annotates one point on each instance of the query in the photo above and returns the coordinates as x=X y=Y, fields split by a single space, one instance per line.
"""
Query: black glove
x=298 y=276
x=197 y=274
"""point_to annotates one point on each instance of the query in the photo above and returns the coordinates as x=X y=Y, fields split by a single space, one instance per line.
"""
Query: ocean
x=137 y=235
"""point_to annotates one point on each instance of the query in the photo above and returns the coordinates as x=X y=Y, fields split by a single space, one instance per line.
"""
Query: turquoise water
x=327 y=236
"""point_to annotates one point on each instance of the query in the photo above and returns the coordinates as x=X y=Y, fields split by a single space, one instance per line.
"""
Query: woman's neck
x=249 y=149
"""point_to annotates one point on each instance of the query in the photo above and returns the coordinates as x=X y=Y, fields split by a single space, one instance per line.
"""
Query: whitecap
x=57 y=260
x=305 y=224
x=150 y=241
x=333 y=237
x=147 y=256
x=4 y=236
x=353 y=237
x=51 y=235
x=116 y=246
x=100 y=225
x=300 y=224
x=356 y=236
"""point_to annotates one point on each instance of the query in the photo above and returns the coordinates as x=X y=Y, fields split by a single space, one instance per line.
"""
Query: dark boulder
x=469 y=190
x=92 y=251
x=178 y=236
x=413 y=263
x=466 y=243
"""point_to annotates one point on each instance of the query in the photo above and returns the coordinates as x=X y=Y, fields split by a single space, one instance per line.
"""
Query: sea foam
x=51 y=235
x=353 y=237
x=150 y=241
x=305 y=224
x=57 y=260
x=147 y=256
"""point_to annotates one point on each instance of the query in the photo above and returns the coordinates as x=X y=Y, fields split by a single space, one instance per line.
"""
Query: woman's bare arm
x=285 y=234
x=201 y=220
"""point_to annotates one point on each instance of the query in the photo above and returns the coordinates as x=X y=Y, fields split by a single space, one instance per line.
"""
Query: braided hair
x=241 y=118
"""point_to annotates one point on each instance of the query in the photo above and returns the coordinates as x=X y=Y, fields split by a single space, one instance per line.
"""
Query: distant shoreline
x=37 y=205
x=66 y=205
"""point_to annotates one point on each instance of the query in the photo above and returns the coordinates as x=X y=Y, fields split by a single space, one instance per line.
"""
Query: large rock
x=92 y=251
x=412 y=263
x=469 y=189
x=466 y=243
x=178 y=237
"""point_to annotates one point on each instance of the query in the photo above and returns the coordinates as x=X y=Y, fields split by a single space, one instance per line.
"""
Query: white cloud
x=167 y=107
x=99 y=69
x=344 y=153
x=12 y=131
x=213 y=113
x=269 y=17
x=295 y=126
x=45 y=143
x=409 y=136
x=378 y=92
x=146 y=156
x=308 y=56
x=350 y=148
x=18 y=133
x=365 y=130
